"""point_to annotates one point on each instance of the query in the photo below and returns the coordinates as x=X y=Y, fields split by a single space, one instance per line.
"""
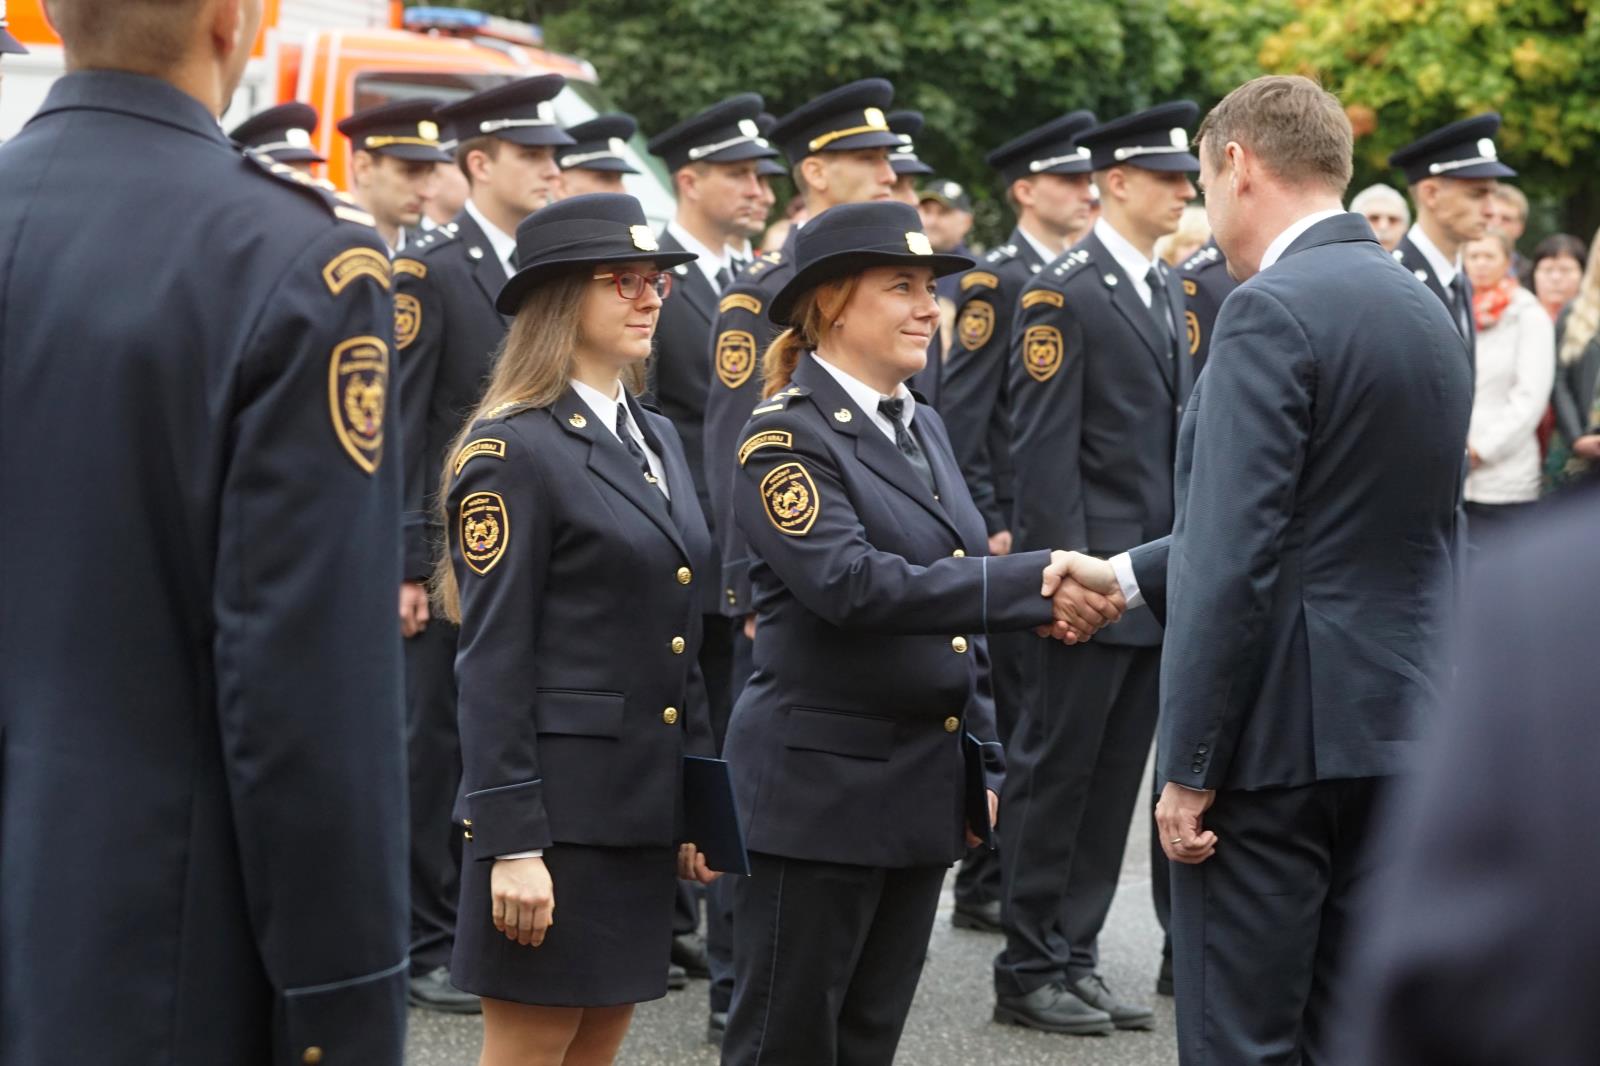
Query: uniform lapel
x=679 y=481
x=1128 y=304
x=1412 y=259
x=612 y=463
x=1025 y=252
x=689 y=282
x=487 y=271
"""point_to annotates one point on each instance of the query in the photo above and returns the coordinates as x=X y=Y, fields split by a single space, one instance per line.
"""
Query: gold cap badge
x=874 y=118
x=918 y=243
x=428 y=131
x=297 y=138
x=1180 y=138
x=643 y=239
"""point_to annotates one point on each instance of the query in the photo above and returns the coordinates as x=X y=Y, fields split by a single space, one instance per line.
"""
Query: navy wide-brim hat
x=850 y=238
x=600 y=227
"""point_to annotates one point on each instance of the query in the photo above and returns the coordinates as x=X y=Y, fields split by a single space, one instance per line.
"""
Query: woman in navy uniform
x=576 y=540
x=873 y=596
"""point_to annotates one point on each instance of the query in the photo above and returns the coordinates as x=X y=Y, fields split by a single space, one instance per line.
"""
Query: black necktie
x=892 y=409
x=1161 y=308
x=1459 y=306
x=633 y=446
x=724 y=278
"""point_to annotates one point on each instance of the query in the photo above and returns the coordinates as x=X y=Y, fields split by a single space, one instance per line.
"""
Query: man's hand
x=749 y=627
x=973 y=839
x=1086 y=595
x=413 y=608
x=1587 y=446
x=1000 y=543
x=1179 y=817
x=692 y=865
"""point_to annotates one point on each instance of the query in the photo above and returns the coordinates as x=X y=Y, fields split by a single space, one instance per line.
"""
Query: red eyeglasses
x=631 y=285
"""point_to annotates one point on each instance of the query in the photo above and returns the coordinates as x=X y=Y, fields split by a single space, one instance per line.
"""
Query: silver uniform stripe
x=1147 y=149
x=1055 y=161
x=1457 y=164
x=711 y=149
x=496 y=124
x=586 y=157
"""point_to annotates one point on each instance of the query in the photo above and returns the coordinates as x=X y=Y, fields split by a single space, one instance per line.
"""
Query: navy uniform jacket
x=201 y=750
x=448 y=333
x=1485 y=947
x=1410 y=256
x=680 y=376
x=580 y=689
x=1206 y=283
x=738 y=343
x=1308 y=590
x=975 y=407
x=1095 y=403
x=873 y=600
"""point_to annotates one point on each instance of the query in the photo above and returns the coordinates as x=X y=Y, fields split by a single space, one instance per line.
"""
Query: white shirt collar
x=1130 y=259
x=1281 y=242
x=1443 y=269
x=1045 y=254
x=866 y=397
x=709 y=262
x=504 y=245
x=745 y=251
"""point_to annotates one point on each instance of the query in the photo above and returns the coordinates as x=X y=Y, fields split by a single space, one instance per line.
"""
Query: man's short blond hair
x=142 y=36
x=1297 y=128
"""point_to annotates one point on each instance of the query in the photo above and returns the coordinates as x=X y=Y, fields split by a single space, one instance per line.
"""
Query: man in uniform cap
x=1098 y=380
x=283 y=133
x=714 y=158
x=202 y=760
x=946 y=212
x=766 y=170
x=838 y=146
x=597 y=159
x=393 y=150
x=1452 y=172
x=907 y=125
x=446 y=333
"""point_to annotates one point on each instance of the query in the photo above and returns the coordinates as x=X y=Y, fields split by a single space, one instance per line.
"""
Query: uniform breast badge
x=1041 y=352
x=407 y=319
x=790 y=497
x=977 y=324
x=485 y=530
x=736 y=357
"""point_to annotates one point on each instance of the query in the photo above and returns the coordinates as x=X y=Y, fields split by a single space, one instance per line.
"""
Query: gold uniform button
x=467 y=835
x=312 y=1056
x=958 y=554
x=670 y=716
x=685 y=575
x=467 y=822
x=952 y=724
x=678 y=644
x=959 y=645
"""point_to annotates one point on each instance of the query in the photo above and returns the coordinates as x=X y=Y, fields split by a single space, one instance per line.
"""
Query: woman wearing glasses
x=575 y=545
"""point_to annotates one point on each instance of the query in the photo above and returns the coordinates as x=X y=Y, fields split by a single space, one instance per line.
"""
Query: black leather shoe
x=677 y=977
x=1094 y=991
x=689 y=951
x=433 y=991
x=982 y=917
x=1164 y=978
x=717 y=1027
x=1053 y=1009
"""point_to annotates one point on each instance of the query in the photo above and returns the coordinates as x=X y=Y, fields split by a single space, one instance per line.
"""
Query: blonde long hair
x=813 y=316
x=532 y=368
x=1583 y=321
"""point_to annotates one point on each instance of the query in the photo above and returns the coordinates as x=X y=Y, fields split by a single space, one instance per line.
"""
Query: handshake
x=1085 y=596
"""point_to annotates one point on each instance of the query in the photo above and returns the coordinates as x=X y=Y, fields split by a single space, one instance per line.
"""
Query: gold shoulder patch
x=1041 y=352
x=976 y=325
x=1043 y=296
x=358 y=383
x=483 y=446
x=354 y=214
x=736 y=357
x=411 y=266
x=407 y=319
x=739 y=299
x=790 y=497
x=1189 y=287
x=343 y=269
x=1191 y=326
x=774 y=438
x=973 y=278
x=485 y=530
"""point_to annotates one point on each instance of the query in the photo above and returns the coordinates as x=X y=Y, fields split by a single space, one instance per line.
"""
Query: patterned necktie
x=633 y=446
x=1161 y=308
x=892 y=409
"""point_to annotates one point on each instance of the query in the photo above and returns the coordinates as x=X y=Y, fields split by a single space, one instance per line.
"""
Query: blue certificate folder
x=977 y=791
x=710 y=819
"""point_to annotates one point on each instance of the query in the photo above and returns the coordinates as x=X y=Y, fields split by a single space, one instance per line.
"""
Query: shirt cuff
x=1122 y=566
x=536 y=853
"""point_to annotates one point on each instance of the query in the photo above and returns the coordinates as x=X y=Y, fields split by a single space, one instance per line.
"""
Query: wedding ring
x=1175 y=840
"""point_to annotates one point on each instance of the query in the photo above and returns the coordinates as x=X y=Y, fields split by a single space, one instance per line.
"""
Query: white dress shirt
x=709 y=262
x=503 y=244
x=866 y=397
x=1133 y=262
x=1045 y=254
x=605 y=409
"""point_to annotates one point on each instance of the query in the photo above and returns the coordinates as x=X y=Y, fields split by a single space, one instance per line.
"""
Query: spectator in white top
x=1516 y=368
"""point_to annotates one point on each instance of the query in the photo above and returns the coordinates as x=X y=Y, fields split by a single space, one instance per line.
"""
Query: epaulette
x=1004 y=253
x=1203 y=258
x=980 y=279
x=763 y=262
x=309 y=186
x=505 y=410
x=1069 y=264
x=779 y=400
x=437 y=237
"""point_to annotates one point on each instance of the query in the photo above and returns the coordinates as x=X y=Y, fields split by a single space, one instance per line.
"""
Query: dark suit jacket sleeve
x=308 y=656
x=974 y=376
x=1150 y=571
x=419 y=341
x=1251 y=436
x=500 y=618
x=1046 y=421
x=835 y=572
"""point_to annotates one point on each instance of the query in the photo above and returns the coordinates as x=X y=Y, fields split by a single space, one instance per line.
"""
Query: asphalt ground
x=950 y=1021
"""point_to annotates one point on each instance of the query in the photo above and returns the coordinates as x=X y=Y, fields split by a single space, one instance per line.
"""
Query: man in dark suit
x=1098 y=381
x=1046 y=177
x=202 y=828
x=1453 y=171
x=447 y=332
x=713 y=157
x=394 y=151
x=1482 y=944
x=1306 y=583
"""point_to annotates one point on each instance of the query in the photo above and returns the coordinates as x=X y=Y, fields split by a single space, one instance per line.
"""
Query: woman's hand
x=973 y=839
x=692 y=865
x=524 y=899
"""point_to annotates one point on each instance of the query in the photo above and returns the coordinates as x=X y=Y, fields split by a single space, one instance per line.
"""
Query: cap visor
x=1167 y=163
x=610 y=166
x=416 y=153
x=10 y=44
x=516 y=289
x=843 y=264
x=296 y=155
x=738 y=153
x=1481 y=170
x=771 y=169
x=534 y=136
x=910 y=166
